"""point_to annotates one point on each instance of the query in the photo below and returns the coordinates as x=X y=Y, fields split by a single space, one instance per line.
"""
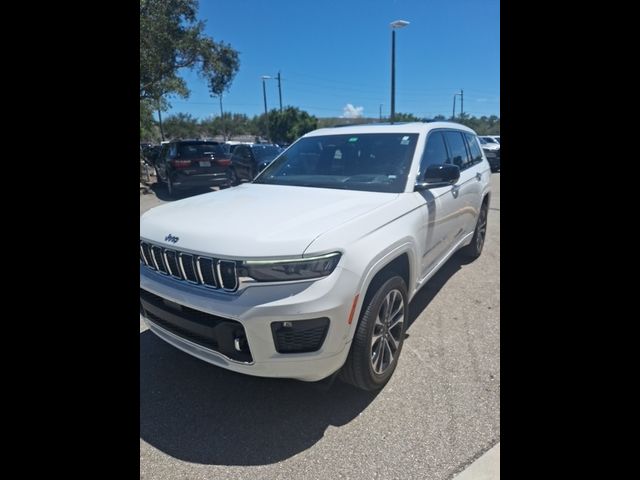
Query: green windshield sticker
x=353 y=139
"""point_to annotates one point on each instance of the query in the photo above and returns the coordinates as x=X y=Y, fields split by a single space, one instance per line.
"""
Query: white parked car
x=309 y=270
x=491 y=147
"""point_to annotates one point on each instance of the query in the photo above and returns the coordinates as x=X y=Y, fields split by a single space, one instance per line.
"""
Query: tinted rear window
x=194 y=150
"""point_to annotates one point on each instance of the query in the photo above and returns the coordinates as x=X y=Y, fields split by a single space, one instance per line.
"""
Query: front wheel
x=379 y=336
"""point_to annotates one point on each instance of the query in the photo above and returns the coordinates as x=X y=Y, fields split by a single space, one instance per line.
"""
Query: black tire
x=365 y=367
x=233 y=177
x=171 y=191
x=474 y=249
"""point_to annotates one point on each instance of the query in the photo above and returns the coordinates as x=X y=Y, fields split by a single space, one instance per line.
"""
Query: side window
x=237 y=153
x=457 y=149
x=476 y=152
x=435 y=152
x=173 y=150
x=163 y=153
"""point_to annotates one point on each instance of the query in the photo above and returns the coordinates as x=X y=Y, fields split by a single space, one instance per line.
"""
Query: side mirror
x=438 y=176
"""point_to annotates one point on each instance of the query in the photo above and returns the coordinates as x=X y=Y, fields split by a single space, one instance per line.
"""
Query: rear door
x=161 y=163
x=466 y=188
x=443 y=206
x=242 y=161
x=481 y=173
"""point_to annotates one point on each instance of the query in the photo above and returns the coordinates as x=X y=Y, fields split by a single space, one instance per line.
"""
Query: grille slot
x=188 y=268
x=145 y=250
x=228 y=275
x=206 y=271
x=171 y=258
x=158 y=259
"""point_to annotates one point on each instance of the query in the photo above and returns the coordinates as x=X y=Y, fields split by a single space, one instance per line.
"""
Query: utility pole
x=453 y=116
x=160 y=120
x=461 y=103
x=280 y=91
x=380 y=112
x=266 y=113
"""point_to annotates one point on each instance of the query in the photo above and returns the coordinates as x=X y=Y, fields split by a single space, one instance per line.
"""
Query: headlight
x=288 y=270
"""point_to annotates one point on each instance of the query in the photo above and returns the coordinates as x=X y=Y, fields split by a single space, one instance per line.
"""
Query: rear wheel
x=379 y=336
x=474 y=249
x=233 y=177
x=170 y=188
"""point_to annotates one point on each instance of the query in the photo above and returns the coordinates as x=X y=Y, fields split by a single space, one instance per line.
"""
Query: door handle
x=478 y=176
x=455 y=190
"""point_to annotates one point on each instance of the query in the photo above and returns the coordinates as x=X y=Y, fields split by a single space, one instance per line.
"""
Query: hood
x=254 y=220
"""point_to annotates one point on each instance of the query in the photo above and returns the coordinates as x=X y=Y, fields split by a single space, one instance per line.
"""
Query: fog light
x=240 y=343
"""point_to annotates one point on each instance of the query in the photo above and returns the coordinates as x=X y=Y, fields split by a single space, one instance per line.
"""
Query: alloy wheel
x=387 y=332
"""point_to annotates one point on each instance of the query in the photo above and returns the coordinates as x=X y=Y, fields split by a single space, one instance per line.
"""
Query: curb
x=486 y=467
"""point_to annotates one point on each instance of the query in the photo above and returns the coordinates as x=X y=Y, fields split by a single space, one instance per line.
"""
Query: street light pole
x=394 y=25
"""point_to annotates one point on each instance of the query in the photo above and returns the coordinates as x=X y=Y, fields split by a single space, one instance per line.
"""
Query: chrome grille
x=207 y=271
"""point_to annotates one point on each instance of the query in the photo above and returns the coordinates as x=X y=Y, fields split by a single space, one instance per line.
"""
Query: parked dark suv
x=186 y=164
x=249 y=160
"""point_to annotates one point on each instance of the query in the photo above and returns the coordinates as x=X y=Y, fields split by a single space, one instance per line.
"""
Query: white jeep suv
x=309 y=270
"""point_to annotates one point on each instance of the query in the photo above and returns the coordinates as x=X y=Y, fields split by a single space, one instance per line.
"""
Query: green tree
x=181 y=125
x=221 y=72
x=405 y=117
x=148 y=129
x=227 y=125
x=286 y=126
x=172 y=38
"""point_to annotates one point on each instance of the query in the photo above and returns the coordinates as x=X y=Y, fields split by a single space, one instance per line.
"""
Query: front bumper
x=256 y=308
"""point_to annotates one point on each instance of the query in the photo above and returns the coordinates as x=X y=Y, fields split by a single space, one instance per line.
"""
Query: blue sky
x=334 y=53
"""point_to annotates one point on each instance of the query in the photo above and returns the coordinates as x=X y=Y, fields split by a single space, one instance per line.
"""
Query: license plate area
x=205 y=163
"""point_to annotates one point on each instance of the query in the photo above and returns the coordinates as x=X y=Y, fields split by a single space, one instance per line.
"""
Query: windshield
x=374 y=162
x=194 y=150
x=488 y=140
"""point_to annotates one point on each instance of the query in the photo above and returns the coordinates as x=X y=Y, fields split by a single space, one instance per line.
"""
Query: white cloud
x=349 y=111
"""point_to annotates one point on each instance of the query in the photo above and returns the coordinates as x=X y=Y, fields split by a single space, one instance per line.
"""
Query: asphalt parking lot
x=439 y=412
